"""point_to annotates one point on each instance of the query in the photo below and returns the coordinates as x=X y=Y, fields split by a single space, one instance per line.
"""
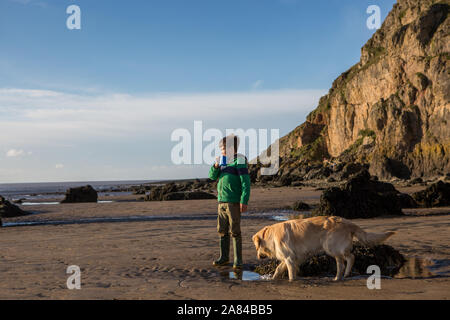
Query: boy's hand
x=243 y=207
x=216 y=164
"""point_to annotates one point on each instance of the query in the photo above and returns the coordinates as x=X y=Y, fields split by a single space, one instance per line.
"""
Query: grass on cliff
x=421 y=76
x=324 y=106
x=431 y=150
x=358 y=142
x=367 y=133
x=402 y=15
x=375 y=54
x=314 y=151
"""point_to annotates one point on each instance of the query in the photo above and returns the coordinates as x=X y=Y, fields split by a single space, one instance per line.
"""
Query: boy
x=233 y=189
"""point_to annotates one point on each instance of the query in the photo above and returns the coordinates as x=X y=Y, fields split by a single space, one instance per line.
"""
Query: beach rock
x=297 y=184
x=203 y=184
x=300 y=206
x=197 y=195
x=173 y=196
x=256 y=176
x=387 y=168
x=416 y=181
x=318 y=173
x=266 y=179
x=198 y=184
x=154 y=194
x=360 y=197
x=386 y=257
x=406 y=201
x=348 y=170
x=9 y=210
x=159 y=193
x=285 y=181
x=139 y=191
x=170 y=187
x=185 y=186
x=172 y=192
x=436 y=195
x=253 y=173
x=80 y=194
x=190 y=195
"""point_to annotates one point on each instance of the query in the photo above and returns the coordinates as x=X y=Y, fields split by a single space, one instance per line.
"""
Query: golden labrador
x=292 y=242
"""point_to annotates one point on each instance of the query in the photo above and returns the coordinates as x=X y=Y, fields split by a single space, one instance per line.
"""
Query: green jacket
x=234 y=181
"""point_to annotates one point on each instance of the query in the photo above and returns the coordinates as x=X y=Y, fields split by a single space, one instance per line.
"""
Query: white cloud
x=49 y=117
x=12 y=153
x=257 y=84
x=131 y=133
x=41 y=4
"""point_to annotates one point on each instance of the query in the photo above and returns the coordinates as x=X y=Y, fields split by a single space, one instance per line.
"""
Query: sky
x=102 y=102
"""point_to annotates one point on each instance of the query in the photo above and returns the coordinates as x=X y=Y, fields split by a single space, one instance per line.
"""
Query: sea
x=41 y=190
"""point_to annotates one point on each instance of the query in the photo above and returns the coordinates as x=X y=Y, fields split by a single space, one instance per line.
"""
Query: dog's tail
x=370 y=238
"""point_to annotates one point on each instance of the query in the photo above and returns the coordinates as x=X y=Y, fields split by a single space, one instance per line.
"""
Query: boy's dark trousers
x=229 y=221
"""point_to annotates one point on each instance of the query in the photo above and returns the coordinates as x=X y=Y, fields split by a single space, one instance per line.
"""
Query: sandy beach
x=170 y=257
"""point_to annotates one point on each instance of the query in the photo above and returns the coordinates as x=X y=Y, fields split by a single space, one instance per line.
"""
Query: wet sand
x=171 y=259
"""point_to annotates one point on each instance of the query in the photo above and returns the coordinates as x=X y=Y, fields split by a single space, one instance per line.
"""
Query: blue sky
x=100 y=103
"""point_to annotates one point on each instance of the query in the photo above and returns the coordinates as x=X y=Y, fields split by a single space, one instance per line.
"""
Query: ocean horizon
x=36 y=189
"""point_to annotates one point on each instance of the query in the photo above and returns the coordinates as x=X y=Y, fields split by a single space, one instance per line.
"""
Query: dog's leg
x=292 y=268
x=350 y=259
x=281 y=269
x=339 y=268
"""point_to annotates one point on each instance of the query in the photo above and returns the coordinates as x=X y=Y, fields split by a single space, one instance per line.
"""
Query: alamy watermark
x=374 y=281
x=374 y=21
x=74 y=281
x=74 y=20
x=191 y=150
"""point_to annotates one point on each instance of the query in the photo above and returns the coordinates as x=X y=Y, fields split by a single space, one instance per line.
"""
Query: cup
x=223 y=161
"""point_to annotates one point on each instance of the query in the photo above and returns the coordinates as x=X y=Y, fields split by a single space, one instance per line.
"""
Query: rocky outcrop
x=9 y=210
x=360 y=197
x=173 y=191
x=300 y=206
x=80 y=194
x=391 y=110
x=182 y=195
x=406 y=201
x=436 y=195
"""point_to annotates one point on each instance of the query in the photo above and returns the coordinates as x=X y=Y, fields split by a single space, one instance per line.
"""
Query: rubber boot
x=237 y=246
x=224 y=258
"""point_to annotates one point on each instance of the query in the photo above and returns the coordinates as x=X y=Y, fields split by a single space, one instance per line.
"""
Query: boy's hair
x=231 y=139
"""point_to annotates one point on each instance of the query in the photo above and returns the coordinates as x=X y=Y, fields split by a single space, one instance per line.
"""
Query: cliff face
x=390 y=110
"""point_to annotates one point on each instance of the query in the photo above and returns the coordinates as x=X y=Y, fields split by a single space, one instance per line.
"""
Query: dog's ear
x=256 y=240
x=264 y=232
